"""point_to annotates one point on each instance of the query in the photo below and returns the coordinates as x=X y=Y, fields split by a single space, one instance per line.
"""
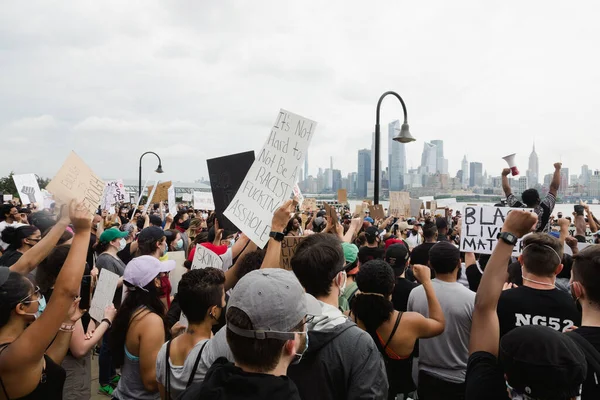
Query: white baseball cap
x=142 y=270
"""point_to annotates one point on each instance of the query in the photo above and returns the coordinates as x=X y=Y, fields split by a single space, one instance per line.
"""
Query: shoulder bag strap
x=168 y=371
x=193 y=374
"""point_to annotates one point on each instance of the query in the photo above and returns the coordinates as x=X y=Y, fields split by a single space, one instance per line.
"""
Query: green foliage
x=7 y=184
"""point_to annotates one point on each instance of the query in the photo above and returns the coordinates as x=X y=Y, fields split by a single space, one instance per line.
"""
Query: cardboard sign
x=28 y=188
x=309 y=204
x=226 y=175
x=400 y=204
x=376 y=212
x=480 y=228
x=416 y=206
x=203 y=201
x=304 y=219
x=342 y=195
x=104 y=293
x=187 y=197
x=288 y=249
x=298 y=194
x=589 y=235
x=270 y=180
x=369 y=202
x=204 y=258
x=75 y=180
x=172 y=201
x=431 y=206
x=114 y=192
x=161 y=193
x=331 y=213
x=177 y=273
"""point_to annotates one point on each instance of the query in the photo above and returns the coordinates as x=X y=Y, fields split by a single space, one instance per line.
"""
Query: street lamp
x=403 y=137
x=158 y=170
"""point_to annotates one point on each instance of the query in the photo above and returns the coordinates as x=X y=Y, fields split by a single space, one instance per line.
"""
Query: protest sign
x=431 y=206
x=204 y=257
x=172 y=201
x=400 y=204
x=187 y=197
x=309 y=204
x=331 y=213
x=7 y=197
x=114 y=192
x=480 y=228
x=369 y=202
x=177 y=273
x=342 y=196
x=446 y=203
x=104 y=293
x=203 y=201
x=270 y=180
x=416 y=206
x=288 y=249
x=161 y=193
x=304 y=219
x=589 y=235
x=359 y=210
x=75 y=180
x=376 y=212
x=150 y=195
x=48 y=198
x=226 y=174
x=28 y=188
x=298 y=194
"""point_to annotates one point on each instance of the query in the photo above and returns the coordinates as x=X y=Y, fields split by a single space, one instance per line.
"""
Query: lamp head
x=404 y=136
x=160 y=170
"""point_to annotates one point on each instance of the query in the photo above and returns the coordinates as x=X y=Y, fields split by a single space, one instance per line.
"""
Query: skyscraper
x=330 y=183
x=441 y=164
x=476 y=174
x=396 y=158
x=585 y=175
x=533 y=172
x=465 y=172
x=429 y=159
x=364 y=172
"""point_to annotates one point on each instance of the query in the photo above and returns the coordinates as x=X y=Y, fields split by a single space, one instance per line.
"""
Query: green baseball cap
x=350 y=252
x=111 y=234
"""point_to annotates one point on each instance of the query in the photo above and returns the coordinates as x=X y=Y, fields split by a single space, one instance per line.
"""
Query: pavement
x=95 y=394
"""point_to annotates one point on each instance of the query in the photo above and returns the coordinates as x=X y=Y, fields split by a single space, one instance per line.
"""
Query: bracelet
x=67 y=328
x=108 y=322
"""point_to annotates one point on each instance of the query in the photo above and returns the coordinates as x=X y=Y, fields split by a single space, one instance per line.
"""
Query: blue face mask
x=298 y=357
x=179 y=244
x=41 y=307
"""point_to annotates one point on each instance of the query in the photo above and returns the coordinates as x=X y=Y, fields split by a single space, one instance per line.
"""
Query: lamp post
x=403 y=137
x=158 y=170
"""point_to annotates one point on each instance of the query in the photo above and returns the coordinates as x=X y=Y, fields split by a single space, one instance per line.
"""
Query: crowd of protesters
x=370 y=308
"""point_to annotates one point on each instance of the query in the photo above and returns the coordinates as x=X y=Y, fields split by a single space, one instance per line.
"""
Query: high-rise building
x=364 y=172
x=429 y=159
x=585 y=175
x=533 y=172
x=521 y=185
x=351 y=187
x=465 y=172
x=396 y=158
x=336 y=183
x=330 y=182
x=564 y=181
x=594 y=187
x=547 y=180
x=476 y=174
x=441 y=164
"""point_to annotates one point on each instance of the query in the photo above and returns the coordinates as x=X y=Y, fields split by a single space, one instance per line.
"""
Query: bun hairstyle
x=14 y=236
x=13 y=288
x=376 y=280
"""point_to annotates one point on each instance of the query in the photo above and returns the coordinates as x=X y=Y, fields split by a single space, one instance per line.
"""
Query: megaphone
x=510 y=159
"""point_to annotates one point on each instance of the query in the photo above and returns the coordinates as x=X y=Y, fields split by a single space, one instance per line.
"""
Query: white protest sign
x=480 y=228
x=204 y=257
x=298 y=194
x=186 y=197
x=172 y=201
x=176 y=274
x=7 y=197
x=269 y=181
x=114 y=192
x=203 y=201
x=48 y=199
x=580 y=246
x=104 y=293
x=589 y=235
x=28 y=188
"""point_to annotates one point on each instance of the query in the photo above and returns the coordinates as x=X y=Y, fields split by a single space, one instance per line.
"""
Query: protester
x=10 y=217
x=201 y=296
x=174 y=240
x=342 y=361
x=397 y=256
x=351 y=268
x=420 y=254
x=414 y=236
x=131 y=246
x=371 y=251
x=538 y=301
x=293 y=227
x=19 y=240
x=443 y=359
x=474 y=269
x=394 y=332
x=138 y=330
x=35 y=336
x=532 y=362
x=531 y=198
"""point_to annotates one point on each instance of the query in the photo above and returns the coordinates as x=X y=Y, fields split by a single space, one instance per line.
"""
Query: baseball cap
x=371 y=232
x=392 y=241
x=542 y=363
x=403 y=226
x=155 y=220
x=274 y=301
x=351 y=257
x=397 y=255
x=111 y=234
x=142 y=270
x=369 y=220
x=321 y=213
x=555 y=234
x=151 y=233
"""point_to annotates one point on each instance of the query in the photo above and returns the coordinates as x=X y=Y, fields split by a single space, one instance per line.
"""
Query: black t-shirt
x=370 y=253
x=527 y=306
x=90 y=255
x=474 y=276
x=420 y=254
x=401 y=292
x=485 y=378
x=10 y=258
x=125 y=254
x=591 y=390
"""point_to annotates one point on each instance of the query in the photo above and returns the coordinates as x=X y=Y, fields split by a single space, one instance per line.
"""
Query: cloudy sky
x=193 y=80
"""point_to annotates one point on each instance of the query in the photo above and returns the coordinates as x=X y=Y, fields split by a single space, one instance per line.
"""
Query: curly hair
x=375 y=277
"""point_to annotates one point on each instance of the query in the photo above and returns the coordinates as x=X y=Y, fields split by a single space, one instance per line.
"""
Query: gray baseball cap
x=274 y=301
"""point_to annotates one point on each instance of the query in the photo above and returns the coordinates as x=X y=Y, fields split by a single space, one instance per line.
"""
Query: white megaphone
x=510 y=159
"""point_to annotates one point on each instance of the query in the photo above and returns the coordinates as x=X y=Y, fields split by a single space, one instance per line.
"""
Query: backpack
x=592 y=355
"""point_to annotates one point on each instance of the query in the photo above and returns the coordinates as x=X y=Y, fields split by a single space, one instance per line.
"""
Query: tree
x=7 y=184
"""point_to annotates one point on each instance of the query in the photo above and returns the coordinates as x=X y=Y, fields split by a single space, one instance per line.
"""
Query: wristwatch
x=508 y=238
x=278 y=236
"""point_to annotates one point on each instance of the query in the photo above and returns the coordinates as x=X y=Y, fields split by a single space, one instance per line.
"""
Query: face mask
x=186 y=224
x=343 y=287
x=179 y=244
x=298 y=357
x=41 y=307
x=231 y=242
x=122 y=244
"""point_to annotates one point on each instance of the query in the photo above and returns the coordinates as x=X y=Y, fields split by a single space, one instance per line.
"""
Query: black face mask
x=186 y=224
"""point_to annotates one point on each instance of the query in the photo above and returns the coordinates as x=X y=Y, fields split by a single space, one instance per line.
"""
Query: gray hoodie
x=342 y=361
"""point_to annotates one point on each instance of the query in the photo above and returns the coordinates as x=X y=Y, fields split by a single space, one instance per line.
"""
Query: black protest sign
x=288 y=249
x=226 y=176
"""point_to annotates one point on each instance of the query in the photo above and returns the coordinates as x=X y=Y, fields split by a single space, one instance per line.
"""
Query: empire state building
x=533 y=172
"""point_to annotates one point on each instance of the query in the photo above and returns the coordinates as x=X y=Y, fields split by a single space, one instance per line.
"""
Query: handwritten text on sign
x=480 y=229
x=204 y=257
x=288 y=249
x=272 y=175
